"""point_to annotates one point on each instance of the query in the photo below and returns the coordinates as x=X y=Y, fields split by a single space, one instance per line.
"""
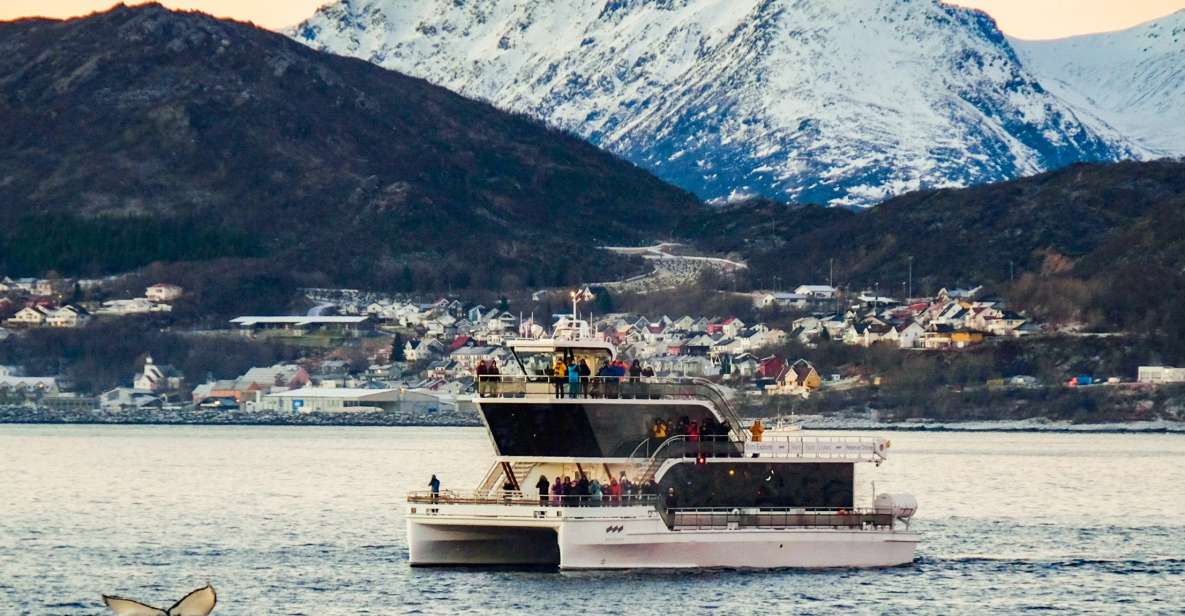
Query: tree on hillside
x=397 y=348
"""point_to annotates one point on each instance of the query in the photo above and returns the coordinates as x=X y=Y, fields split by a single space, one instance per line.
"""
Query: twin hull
x=634 y=537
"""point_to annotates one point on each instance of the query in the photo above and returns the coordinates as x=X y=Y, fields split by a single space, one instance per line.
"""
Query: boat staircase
x=514 y=472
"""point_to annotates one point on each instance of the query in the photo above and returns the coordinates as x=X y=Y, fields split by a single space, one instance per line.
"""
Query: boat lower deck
x=637 y=536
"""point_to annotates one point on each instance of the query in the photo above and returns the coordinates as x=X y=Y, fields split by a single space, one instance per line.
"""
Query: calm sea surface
x=308 y=521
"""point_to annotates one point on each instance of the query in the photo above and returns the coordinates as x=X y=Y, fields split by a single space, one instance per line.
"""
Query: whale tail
x=197 y=603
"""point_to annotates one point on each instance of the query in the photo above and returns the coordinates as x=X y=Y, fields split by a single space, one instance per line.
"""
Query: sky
x=1029 y=19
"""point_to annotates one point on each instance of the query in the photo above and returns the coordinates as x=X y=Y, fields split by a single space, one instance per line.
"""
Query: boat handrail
x=511 y=497
x=709 y=518
x=733 y=448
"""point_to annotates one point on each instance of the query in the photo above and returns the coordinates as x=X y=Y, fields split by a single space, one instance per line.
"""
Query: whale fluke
x=197 y=603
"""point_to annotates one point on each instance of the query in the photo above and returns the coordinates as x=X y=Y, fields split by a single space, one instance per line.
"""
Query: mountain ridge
x=808 y=101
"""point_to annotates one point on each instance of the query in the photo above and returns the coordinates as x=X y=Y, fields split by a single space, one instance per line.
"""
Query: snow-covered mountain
x=836 y=101
x=1134 y=79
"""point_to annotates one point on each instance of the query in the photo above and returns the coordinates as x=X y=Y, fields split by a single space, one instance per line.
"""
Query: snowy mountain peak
x=836 y=101
x=1134 y=79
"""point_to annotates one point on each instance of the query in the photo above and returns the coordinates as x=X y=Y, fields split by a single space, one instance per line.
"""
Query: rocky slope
x=835 y=101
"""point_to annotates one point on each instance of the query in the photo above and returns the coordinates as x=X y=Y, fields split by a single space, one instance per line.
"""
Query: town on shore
x=385 y=359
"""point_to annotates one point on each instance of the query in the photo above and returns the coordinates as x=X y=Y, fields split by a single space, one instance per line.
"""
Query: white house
x=162 y=292
x=910 y=335
x=31 y=316
x=68 y=316
x=816 y=291
x=128 y=398
x=1160 y=374
x=19 y=388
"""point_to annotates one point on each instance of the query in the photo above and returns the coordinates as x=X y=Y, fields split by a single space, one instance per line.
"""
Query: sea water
x=308 y=520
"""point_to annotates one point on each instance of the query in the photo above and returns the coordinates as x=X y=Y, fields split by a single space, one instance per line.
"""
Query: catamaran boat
x=715 y=497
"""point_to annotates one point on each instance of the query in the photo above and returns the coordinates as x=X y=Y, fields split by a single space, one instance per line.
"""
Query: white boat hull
x=636 y=538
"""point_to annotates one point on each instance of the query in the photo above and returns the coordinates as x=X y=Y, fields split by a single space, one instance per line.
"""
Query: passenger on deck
x=585 y=373
x=614 y=491
x=557 y=491
x=658 y=431
x=492 y=377
x=559 y=374
x=708 y=429
x=434 y=485
x=573 y=380
x=672 y=500
x=543 y=486
x=481 y=372
x=626 y=487
x=693 y=432
x=757 y=430
x=582 y=490
x=599 y=381
x=594 y=492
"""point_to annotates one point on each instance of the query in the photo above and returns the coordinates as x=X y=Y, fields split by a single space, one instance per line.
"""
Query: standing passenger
x=559 y=374
x=494 y=378
x=557 y=490
x=585 y=373
x=573 y=380
x=635 y=379
x=543 y=485
x=757 y=429
x=434 y=484
x=481 y=371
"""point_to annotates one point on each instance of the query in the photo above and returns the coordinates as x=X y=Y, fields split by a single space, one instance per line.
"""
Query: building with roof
x=302 y=325
x=349 y=400
x=157 y=378
x=162 y=292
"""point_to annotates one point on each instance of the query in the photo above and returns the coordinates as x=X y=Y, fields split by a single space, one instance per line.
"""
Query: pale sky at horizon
x=1030 y=19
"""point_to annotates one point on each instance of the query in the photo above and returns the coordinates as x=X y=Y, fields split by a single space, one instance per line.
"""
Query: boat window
x=539 y=363
x=536 y=363
x=594 y=357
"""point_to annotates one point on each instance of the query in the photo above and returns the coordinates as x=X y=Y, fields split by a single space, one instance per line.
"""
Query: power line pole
x=910 y=294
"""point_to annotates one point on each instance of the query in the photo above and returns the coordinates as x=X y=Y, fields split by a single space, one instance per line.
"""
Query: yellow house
x=800 y=379
x=965 y=338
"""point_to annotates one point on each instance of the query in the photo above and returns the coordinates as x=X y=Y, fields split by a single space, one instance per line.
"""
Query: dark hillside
x=142 y=134
x=985 y=234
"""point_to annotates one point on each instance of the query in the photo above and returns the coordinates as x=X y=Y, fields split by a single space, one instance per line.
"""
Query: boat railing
x=733 y=518
x=515 y=497
x=815 y=447
x=686 y=446
x=613 y=387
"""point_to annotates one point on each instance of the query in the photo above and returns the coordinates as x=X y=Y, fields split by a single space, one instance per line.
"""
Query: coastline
x=28 y=416
x=197 y=417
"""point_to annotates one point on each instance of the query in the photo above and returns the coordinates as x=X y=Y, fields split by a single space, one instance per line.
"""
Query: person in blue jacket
x=573 y=379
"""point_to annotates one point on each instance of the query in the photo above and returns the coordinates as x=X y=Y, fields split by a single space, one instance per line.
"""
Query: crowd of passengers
x=589 y=492
x=576 y=379
x=708 y=429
